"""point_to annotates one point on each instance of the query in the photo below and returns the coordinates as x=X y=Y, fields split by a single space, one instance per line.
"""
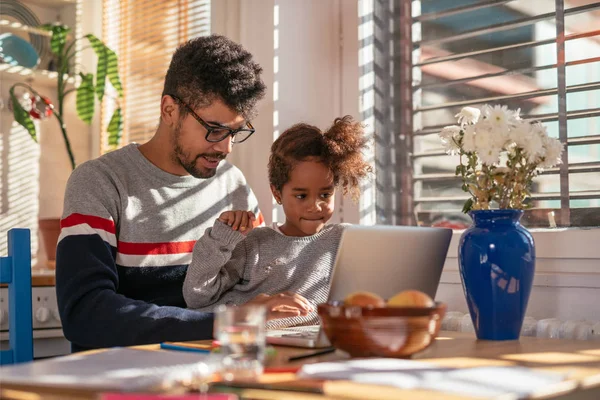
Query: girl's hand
x=283 y=305
x=242 y=221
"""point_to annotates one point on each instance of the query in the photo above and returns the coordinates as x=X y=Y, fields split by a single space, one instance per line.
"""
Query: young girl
x=241 y=265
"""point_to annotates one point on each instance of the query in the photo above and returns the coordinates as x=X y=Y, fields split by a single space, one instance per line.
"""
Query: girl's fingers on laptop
x=300 y=300
x=284 y=304
x=283 y=312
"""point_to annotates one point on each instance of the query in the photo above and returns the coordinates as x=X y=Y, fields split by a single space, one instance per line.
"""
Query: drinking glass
x=241 y=335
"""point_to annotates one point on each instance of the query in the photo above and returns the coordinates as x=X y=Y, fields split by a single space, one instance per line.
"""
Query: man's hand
x=242 y=221
x=283 y=305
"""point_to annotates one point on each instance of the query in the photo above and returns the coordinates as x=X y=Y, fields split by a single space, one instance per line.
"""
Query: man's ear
x=169 y=112
x=276 y=194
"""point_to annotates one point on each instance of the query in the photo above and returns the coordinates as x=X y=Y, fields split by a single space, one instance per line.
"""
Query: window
x=433 y=57
x=144 y=34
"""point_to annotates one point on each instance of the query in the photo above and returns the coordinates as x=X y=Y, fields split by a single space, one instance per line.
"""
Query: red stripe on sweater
x=142 y=249
x=93 y=221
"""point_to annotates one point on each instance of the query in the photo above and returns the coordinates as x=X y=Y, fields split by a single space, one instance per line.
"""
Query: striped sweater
x=235 y=268
x=127 y=236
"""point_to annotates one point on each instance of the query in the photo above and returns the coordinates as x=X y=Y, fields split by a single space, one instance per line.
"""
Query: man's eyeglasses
x=217 y=133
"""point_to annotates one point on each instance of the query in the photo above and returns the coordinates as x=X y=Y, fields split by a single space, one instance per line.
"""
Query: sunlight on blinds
x=438 y=56
x=145 y=33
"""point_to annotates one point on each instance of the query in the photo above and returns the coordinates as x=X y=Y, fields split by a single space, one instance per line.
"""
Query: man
x=132 y=217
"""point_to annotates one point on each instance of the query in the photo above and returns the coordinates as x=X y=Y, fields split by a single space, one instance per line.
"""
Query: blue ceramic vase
x=497 y=263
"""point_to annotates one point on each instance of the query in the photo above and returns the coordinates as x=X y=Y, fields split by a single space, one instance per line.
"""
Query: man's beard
x=189 y=162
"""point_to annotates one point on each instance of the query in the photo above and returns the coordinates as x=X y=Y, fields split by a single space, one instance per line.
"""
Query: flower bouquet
x=500 y=154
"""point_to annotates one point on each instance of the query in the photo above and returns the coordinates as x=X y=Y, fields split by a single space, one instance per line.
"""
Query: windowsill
x=565 y=257
x=559 y=243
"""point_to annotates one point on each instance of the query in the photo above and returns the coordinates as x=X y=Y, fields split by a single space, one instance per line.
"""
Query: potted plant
x=499 y=155
x=33 y=105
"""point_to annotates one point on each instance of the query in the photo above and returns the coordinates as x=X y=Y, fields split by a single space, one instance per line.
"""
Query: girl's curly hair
x=340 y=148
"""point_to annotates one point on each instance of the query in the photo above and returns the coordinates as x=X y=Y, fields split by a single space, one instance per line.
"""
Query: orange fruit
x=364 y=299
x=411 y=298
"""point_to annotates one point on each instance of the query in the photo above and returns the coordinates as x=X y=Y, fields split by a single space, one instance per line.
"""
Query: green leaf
x=114 y=128
x=59 y=37
x=22 y=116
x=85 y=98
x=467 y=206
x=107 y=66
x=113 y=72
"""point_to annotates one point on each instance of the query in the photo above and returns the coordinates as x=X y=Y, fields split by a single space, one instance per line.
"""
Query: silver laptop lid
x=389 y=259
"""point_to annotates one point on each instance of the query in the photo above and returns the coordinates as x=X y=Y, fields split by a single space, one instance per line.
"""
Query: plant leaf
x=85 y=98
x=114 y=128
x=22 y=116
x=113 y=72
x=59 y=37
x=107 y=66
x=467 y=206
x=102 y=67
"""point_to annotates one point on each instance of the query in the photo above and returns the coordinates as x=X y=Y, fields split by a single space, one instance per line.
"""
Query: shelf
x=33 y=76
x=23 y=28
x=52 y=3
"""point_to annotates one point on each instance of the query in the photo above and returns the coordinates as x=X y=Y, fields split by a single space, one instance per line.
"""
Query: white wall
x=308 y=57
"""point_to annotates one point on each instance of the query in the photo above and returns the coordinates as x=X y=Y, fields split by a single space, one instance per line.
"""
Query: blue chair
x=15 y=270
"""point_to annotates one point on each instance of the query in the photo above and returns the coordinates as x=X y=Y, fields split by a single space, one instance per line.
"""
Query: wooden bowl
x=381 y=332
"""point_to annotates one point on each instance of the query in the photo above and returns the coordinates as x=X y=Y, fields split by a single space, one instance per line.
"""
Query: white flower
x=534 y=146
x=553 y=151
x=486 y=148
x=450 y=135
x=468 y=143
x=500 y=117
x=468 y=115
x=520 y=133
x=450 y=132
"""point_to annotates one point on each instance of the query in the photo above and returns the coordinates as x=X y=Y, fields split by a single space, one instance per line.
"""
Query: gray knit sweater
x=228 y=268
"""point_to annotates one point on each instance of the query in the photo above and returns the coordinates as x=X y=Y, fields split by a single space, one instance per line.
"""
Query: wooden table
x=580 y=360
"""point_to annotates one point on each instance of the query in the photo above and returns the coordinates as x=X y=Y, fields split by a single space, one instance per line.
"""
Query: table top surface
x=579 y=360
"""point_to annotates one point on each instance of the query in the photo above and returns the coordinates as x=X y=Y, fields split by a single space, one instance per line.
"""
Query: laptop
x=382 y=259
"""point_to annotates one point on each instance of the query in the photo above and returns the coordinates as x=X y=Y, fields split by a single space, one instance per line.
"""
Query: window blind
x=144 y=34
x=433 y=57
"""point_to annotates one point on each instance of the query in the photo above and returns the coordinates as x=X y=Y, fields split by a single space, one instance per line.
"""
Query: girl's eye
x=326 y=195
x=300 y=196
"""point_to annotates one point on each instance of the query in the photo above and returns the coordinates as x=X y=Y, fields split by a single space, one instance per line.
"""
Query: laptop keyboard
x=304 y=332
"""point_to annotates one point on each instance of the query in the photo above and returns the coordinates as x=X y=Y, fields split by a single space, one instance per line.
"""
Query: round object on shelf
x=17 y=51
x=15 y=11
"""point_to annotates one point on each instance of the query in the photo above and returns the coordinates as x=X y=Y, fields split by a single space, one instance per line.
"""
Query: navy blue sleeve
x=94 y=315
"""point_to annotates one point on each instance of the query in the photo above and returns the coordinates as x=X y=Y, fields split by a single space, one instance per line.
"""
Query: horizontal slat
x=577 y=114
x=594 y=112
x=584 y=140
x=507 y=72
x=576 y=141
x=519 y=96
x=574 y=168
x=470 y=54
x=460 y=10
x=524 y=45
x=504 y=26
x=582 y=195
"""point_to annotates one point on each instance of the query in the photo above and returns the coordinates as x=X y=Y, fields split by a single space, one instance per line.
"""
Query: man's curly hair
x=214 y=67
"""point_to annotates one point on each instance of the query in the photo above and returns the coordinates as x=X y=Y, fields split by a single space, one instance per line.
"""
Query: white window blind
x=144 y=34
x=542 y=56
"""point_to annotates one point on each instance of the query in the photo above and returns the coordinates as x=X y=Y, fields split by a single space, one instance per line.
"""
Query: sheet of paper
x=408 y=374
x=117 y=369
